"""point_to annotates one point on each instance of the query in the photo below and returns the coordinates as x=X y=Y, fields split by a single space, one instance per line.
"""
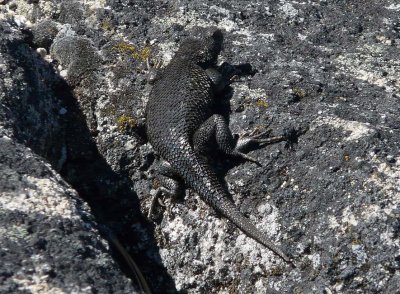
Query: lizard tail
x=229 y=210
x=203 y=181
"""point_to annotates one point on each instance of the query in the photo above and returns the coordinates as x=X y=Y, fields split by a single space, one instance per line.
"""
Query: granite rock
x=328 y=67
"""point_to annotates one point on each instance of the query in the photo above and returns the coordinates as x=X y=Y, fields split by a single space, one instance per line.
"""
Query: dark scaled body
x=180 y=122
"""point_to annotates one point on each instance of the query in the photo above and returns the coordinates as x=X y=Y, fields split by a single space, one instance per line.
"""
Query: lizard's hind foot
x=168 y=184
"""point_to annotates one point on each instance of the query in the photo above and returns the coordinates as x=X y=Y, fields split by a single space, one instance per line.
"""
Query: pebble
x=42 y=52
x=64 y=73
x=390 y=159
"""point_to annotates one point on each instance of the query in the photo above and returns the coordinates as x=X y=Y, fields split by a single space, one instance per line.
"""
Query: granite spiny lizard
x=180 y=123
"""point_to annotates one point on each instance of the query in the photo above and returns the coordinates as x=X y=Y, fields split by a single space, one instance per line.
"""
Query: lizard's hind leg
x=216 y=128
x=169 y=183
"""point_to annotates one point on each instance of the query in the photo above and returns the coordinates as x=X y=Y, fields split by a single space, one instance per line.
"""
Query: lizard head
x=203 y=51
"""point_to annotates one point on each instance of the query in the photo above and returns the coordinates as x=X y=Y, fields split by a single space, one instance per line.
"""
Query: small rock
x=42 y=52
x=265 y=209
x=13 y=6
x=44 y=33
x=390 y=159
x=19 y=20
x=62 y=111
x=64 y=73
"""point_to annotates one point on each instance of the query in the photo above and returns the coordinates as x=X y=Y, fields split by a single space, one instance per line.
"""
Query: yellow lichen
x=131 y=50
x=346 y=157
x=125 y=122
x=262 y=103
x=106 y=24
x=277 y=271
x=145 y=53
x=299 y=93
x=125 y=48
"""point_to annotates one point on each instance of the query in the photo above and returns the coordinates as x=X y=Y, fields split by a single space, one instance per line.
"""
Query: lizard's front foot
x=153 y=69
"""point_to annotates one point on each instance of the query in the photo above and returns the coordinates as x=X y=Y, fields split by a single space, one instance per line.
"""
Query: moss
x=132 y=51
x=125 y=123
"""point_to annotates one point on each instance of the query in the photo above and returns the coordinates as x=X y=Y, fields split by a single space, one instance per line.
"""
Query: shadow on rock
x=50 y=122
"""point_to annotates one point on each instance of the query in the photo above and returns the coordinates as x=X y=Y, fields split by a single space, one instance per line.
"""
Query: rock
x=329 y=68
x=42 y=52
x=77 y=55
x=44 y=33
x=49 y=241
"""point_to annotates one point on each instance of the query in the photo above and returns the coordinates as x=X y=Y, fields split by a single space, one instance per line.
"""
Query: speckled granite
x=329 y=67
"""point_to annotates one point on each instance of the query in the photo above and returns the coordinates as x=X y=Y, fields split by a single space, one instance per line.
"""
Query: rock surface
x=49 y=241
x=328 y=67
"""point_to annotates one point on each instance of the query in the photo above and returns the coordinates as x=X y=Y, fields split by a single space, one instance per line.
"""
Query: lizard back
x=182 y=97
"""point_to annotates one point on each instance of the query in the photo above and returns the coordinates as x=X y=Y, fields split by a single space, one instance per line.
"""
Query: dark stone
x=44 y=33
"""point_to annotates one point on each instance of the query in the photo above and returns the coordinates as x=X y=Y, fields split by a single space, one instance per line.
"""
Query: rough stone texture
x=330 y=67
x=77 y=55
x=44 y=33
x=48 y=243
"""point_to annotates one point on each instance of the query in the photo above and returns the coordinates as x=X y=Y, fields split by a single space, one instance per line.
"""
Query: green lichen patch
x=298 y=94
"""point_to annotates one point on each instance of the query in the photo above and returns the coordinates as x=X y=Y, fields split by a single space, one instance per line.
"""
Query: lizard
x=180 y=124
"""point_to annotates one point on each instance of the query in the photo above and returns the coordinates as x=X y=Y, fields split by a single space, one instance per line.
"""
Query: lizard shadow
x=220 y=162
x=68 y=144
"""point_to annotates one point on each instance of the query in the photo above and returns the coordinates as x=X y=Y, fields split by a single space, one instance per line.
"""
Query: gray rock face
x=329 y=67
x=48 y=243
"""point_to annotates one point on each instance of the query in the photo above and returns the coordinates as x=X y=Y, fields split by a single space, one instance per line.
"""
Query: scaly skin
x=181 y=102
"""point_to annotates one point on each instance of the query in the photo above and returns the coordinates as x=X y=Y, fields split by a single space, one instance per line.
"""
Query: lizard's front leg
x=221 y=76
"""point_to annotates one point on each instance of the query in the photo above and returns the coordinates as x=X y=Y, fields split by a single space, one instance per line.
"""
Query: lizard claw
x=246 y=157
x=152 y=69
x=234 y=78
x=153 y=201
